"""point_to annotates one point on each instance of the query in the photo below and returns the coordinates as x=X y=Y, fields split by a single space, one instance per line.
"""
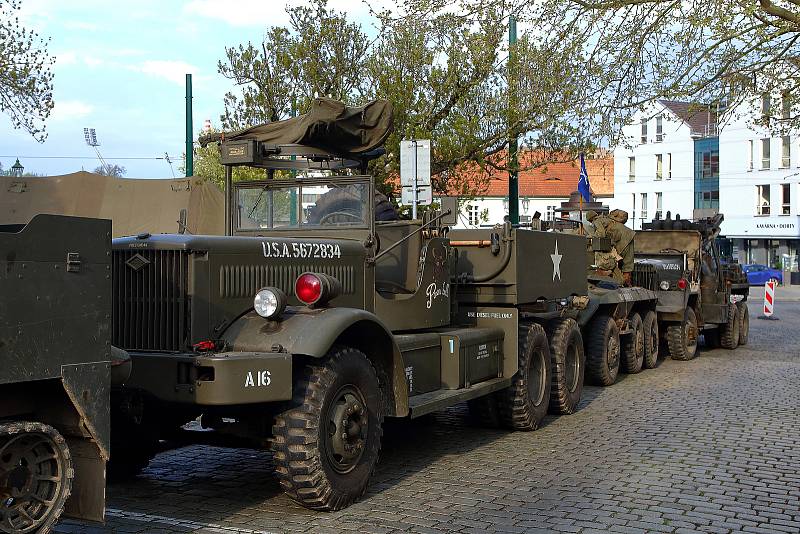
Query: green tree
x=118 y=171
x=26 y=81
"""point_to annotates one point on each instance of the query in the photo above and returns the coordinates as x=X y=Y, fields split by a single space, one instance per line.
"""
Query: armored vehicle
x=697 y=293
x=312 y=321
x=55 y=370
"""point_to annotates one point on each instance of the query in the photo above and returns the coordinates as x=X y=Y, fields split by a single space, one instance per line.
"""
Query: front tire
x=567 y=362
x=729 y=332
x=633 y=347
x=603 y=351
x=744 y=323
x=651 y=340
x=524 y=403
x=682 y=337
x=326 y=446
x=35 y=477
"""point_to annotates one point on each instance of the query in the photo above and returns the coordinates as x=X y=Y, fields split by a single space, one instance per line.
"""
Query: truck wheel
x=326 y=446
x=682 y=337
x=35 y=477
x=524 y=403
x=602 y=355
x=651 y=341
x=729 y=332
x=567 y=365
x=633 y=347
x=744 y=322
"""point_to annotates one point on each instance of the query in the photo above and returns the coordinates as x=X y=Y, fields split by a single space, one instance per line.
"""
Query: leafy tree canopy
x=115 y=170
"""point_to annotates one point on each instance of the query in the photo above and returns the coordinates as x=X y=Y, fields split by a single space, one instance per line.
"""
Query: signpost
x=415 y=173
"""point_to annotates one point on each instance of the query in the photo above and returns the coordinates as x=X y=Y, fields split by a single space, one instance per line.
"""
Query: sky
x=120 y=68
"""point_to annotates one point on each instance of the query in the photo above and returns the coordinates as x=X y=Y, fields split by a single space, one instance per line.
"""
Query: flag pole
x=580 y=195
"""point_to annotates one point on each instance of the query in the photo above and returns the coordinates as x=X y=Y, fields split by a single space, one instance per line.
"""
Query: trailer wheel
x=603 y=351
x=744 y=322
x=729 y=332
x=651 y=341
x=326 y=446
x=567 y=363
x=633 y=347
x=682 y=337
x=524 y=403
x=35 y=477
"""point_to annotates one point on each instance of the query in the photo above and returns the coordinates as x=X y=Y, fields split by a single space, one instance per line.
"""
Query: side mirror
x=451 y=204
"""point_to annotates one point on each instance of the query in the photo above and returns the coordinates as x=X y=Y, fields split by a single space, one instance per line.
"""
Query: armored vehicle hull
x=55 y=356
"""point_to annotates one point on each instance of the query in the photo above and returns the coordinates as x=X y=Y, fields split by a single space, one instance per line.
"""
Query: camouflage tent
x=133 y=205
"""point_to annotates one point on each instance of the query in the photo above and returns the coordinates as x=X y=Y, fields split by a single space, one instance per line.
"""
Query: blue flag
x=583 y=182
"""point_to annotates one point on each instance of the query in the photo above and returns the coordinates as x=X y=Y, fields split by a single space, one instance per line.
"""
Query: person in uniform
x=618 y=262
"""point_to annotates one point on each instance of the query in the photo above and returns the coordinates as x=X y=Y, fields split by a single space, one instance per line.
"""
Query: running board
x=442 y=398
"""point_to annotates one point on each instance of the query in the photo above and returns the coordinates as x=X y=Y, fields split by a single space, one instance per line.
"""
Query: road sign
x=424 y=195
x=415 y=162
x=769 y=298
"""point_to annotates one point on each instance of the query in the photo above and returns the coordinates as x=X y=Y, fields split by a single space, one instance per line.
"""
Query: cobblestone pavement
x=710 y=445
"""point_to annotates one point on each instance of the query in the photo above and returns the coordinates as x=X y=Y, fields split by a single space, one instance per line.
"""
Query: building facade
x=759 y=175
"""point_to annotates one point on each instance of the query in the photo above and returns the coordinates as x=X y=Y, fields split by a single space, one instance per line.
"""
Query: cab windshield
x=317 y=204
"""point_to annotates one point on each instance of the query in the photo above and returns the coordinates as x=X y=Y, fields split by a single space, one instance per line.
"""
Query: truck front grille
x=151 y=305
x=645 y=276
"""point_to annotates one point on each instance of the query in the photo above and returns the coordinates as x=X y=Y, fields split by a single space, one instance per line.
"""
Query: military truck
x=55 y=370
x=697 y=294
x=311 y=321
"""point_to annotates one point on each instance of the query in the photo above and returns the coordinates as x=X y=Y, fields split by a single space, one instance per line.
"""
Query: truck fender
x=300 y=331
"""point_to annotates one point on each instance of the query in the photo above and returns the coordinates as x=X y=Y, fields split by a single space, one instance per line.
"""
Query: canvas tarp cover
x=134 y=206
x=329 y=125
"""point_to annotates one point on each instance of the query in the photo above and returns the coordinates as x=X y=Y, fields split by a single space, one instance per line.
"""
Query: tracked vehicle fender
x=313 y=332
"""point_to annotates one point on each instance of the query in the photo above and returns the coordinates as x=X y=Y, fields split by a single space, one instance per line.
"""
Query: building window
x=631 y=169
x=750 y=155
x=762 y=193
x=786 y=202
x=633 y=212
x=765 y=154
x=669 y=166
x=659 y=205
x=644 y=131
x=659 y=129
x=766 y=105
x=659 y=166
x=786 y=105
x=473 y=216
x=551 y=213
x=644 y=206
x=786 y=152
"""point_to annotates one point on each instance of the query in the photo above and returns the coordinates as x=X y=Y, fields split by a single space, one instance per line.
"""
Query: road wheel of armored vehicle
x=651 y=341
x=682 y=337
x=744 y=322
x=524 y=403
x=603 y=351
x=35 y=477
x=326 y=446
x=567 y=362
x=633 y=348
x=729 y=332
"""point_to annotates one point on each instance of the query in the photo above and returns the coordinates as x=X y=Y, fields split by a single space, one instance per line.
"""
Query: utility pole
x=513 y=164
x=189 y=128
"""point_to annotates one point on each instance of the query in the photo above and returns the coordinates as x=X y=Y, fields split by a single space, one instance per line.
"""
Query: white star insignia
x=556 y=257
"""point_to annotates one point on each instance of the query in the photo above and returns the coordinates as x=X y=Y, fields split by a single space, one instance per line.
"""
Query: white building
x=759 y=175
x=654 y=168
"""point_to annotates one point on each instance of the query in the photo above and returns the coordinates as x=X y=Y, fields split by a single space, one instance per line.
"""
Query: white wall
x=738 y=196
x=677 y=191
x=496 y=209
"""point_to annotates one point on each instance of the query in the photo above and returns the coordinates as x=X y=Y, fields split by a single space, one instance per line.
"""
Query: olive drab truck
x=697 y=293
x=55 y=370
x=320 y=313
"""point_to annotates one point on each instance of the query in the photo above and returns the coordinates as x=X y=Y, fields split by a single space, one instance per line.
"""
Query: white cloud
x=174 y=71
x=67 y=57
x=70 y=109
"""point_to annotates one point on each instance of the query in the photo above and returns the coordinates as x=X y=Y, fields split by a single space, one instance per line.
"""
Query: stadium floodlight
x=91 y=137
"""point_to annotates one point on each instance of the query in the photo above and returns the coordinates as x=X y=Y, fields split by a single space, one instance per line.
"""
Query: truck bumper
x=671 y=305
x=213 y=379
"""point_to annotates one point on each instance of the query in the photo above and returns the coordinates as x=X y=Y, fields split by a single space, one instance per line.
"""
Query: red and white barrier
x=769 y=298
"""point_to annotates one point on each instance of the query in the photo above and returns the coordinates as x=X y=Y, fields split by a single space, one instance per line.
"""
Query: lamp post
x=17 y=169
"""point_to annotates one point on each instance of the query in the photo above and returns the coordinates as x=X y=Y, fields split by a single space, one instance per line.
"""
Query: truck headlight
x=664 y=285
x=269 y=302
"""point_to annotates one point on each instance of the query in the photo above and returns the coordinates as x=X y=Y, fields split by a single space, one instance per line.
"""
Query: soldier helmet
x=591 y=215
x=620 y=216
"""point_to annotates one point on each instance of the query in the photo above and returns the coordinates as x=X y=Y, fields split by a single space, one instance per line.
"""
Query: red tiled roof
x=699 y=117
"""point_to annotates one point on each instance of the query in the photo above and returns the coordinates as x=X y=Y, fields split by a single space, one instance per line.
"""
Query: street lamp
x=17 y=169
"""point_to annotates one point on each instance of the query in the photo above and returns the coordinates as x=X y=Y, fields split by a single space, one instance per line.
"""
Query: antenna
x=90 y=135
